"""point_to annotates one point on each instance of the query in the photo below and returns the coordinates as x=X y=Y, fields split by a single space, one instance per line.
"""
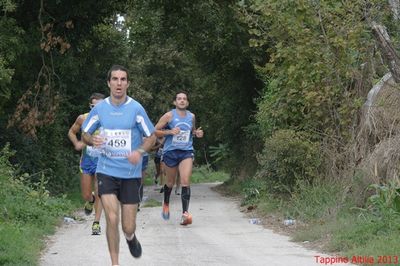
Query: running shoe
x=165 y=211
x=96 y=230
x=134 y=247
x=186 y=218
x=89 y=205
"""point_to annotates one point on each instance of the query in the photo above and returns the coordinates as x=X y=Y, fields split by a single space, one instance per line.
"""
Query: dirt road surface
x=220 y=235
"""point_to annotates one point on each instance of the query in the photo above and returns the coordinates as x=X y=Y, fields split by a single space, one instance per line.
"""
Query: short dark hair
x=179 y=92
x=115 y=68
x=96 y=96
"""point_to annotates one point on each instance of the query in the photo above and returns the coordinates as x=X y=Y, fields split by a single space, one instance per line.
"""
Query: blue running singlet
x=183 y=140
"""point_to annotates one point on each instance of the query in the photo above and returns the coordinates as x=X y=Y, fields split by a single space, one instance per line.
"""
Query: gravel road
x=220 y=235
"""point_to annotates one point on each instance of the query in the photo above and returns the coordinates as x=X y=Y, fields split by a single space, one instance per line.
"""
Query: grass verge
x=327 y=218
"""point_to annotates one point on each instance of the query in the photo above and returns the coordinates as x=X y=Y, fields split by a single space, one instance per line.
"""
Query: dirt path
x=220 y=235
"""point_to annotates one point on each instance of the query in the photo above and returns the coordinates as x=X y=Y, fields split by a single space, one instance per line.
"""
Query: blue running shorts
x=88 y=165
x=174 y=157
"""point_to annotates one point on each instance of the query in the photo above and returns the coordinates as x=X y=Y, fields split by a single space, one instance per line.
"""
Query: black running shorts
x=126 y=190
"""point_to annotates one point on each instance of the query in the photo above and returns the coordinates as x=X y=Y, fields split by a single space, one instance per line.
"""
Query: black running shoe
x=134 y=247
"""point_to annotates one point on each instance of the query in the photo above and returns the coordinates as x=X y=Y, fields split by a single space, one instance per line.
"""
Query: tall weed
x=316 y=201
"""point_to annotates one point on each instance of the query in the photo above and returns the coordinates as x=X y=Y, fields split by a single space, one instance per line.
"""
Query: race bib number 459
x=118 y=142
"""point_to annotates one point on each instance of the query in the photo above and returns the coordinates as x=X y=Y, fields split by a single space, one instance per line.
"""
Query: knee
x=112 y=219
x=129 y=229
x=87 y=196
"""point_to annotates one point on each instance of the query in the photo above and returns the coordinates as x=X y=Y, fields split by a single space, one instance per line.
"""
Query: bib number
x=118 y=143
x=181 y=138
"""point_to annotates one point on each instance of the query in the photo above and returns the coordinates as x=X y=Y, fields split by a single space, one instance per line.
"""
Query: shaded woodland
x=284 y=90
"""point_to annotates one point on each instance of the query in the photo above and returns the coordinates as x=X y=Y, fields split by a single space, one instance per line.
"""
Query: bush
x=287 y=157
x=28 y=212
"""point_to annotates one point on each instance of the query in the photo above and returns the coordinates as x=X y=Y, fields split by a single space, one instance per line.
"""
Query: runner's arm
x=164 y=120
x=73 y=131
x=198 y=133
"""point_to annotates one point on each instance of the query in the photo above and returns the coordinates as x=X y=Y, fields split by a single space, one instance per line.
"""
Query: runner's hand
x=199 y=133
x=134 y=157
x=97 y=140
x=175 y=131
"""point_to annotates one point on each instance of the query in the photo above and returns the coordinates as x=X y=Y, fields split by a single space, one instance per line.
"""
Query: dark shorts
x=173 y=158
x=145 y=162
x=126 y=190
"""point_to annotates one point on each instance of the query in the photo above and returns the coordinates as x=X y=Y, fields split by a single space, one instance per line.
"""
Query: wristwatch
x=141 y=151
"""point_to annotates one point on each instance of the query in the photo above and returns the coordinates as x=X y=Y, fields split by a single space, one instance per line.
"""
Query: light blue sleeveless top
x=183 y=140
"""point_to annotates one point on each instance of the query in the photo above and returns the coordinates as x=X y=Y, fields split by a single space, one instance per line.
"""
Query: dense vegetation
x=284 y=82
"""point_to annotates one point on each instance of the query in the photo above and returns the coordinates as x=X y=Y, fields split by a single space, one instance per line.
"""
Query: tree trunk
x=389 y=54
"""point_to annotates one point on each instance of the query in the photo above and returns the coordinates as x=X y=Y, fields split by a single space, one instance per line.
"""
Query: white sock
x=131 y=237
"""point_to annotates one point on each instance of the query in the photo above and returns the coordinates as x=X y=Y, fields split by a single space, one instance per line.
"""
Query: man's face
x=94 y=102
x=118 y=84
x=181 y=101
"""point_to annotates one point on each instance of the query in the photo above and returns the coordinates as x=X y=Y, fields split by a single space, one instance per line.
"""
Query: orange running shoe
x=165 y=211
x=186 y=218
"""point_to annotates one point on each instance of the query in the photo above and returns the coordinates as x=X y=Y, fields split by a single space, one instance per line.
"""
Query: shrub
x=287 y=157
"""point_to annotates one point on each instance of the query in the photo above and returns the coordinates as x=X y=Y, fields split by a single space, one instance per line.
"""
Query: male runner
x=178 y=126
x=88 y=165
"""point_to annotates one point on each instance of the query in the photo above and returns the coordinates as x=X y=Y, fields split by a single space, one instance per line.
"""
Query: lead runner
x=128 y=134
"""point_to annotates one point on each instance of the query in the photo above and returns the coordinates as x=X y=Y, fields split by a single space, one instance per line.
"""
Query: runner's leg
x=97 y=204
x=111 y=210
x=86 y=187
x=185 y=171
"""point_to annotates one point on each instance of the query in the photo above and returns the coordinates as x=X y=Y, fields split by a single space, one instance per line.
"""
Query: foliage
x=318 y=64
x=288 y=157
x=315 y=50
x=219 y=153
x=10 y=48
x=199 y=47
x=253 y=190
x=6 y=168
x=202 y=174
x=385 y=203
x=28 y=212
x=15 y=238
x=55 y=67
x=317 y=201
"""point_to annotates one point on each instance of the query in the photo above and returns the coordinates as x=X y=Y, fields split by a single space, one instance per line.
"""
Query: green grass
x=204 y=175
x=327 y=218
x=20 y=244
x=28 y=214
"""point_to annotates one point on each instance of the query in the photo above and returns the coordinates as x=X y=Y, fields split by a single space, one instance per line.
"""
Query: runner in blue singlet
x=88 y=165
x=178 y=128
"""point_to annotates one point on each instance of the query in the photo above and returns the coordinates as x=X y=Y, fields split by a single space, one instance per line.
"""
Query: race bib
x=182 y=138
x=117 y=143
